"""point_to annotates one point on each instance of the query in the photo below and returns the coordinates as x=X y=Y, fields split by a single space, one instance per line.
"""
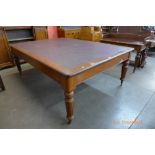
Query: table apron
x=79 y=78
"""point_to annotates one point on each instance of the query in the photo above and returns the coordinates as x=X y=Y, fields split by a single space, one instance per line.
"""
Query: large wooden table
x=70 y=62
x=140 y=47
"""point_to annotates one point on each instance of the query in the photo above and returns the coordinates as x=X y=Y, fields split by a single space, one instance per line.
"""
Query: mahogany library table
x=71 y=61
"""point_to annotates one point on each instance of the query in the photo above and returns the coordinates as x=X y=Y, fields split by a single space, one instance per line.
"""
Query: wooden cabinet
x=14 y=34
x=18 y=33
x=5 y=59
x=40 y=32
x=91 y=33
x=69 y=32
x=72 y=33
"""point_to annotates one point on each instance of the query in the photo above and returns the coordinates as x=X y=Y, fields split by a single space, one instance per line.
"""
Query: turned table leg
x=144 y=55
x=69 y=101
x=2 y=84
x=137 y=60
x=17 y=62
x=124 y=70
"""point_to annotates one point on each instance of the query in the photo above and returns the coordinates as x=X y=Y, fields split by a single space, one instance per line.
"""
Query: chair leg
x=137 y=61
x=124 y=70
x=2 y=84
x=144 y=56
x=17 y=62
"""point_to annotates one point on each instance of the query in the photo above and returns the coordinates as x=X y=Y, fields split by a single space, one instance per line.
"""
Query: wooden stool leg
x=137 y=60
x=69 y=101
x=16 y=58
x=2 y=84
x=144 y=55
x=124 y=70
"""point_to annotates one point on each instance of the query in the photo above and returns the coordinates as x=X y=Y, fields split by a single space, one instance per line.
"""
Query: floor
x=36 y=101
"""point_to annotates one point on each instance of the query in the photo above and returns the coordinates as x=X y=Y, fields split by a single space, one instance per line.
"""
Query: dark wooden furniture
x=71 y=61
x=14 y=34
x=131 y=36
x=1 y=84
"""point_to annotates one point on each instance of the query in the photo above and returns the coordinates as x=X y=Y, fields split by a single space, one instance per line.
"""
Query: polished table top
x=69 y=56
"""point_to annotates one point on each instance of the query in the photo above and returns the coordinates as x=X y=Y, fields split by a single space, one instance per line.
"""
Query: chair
x=1 y=84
